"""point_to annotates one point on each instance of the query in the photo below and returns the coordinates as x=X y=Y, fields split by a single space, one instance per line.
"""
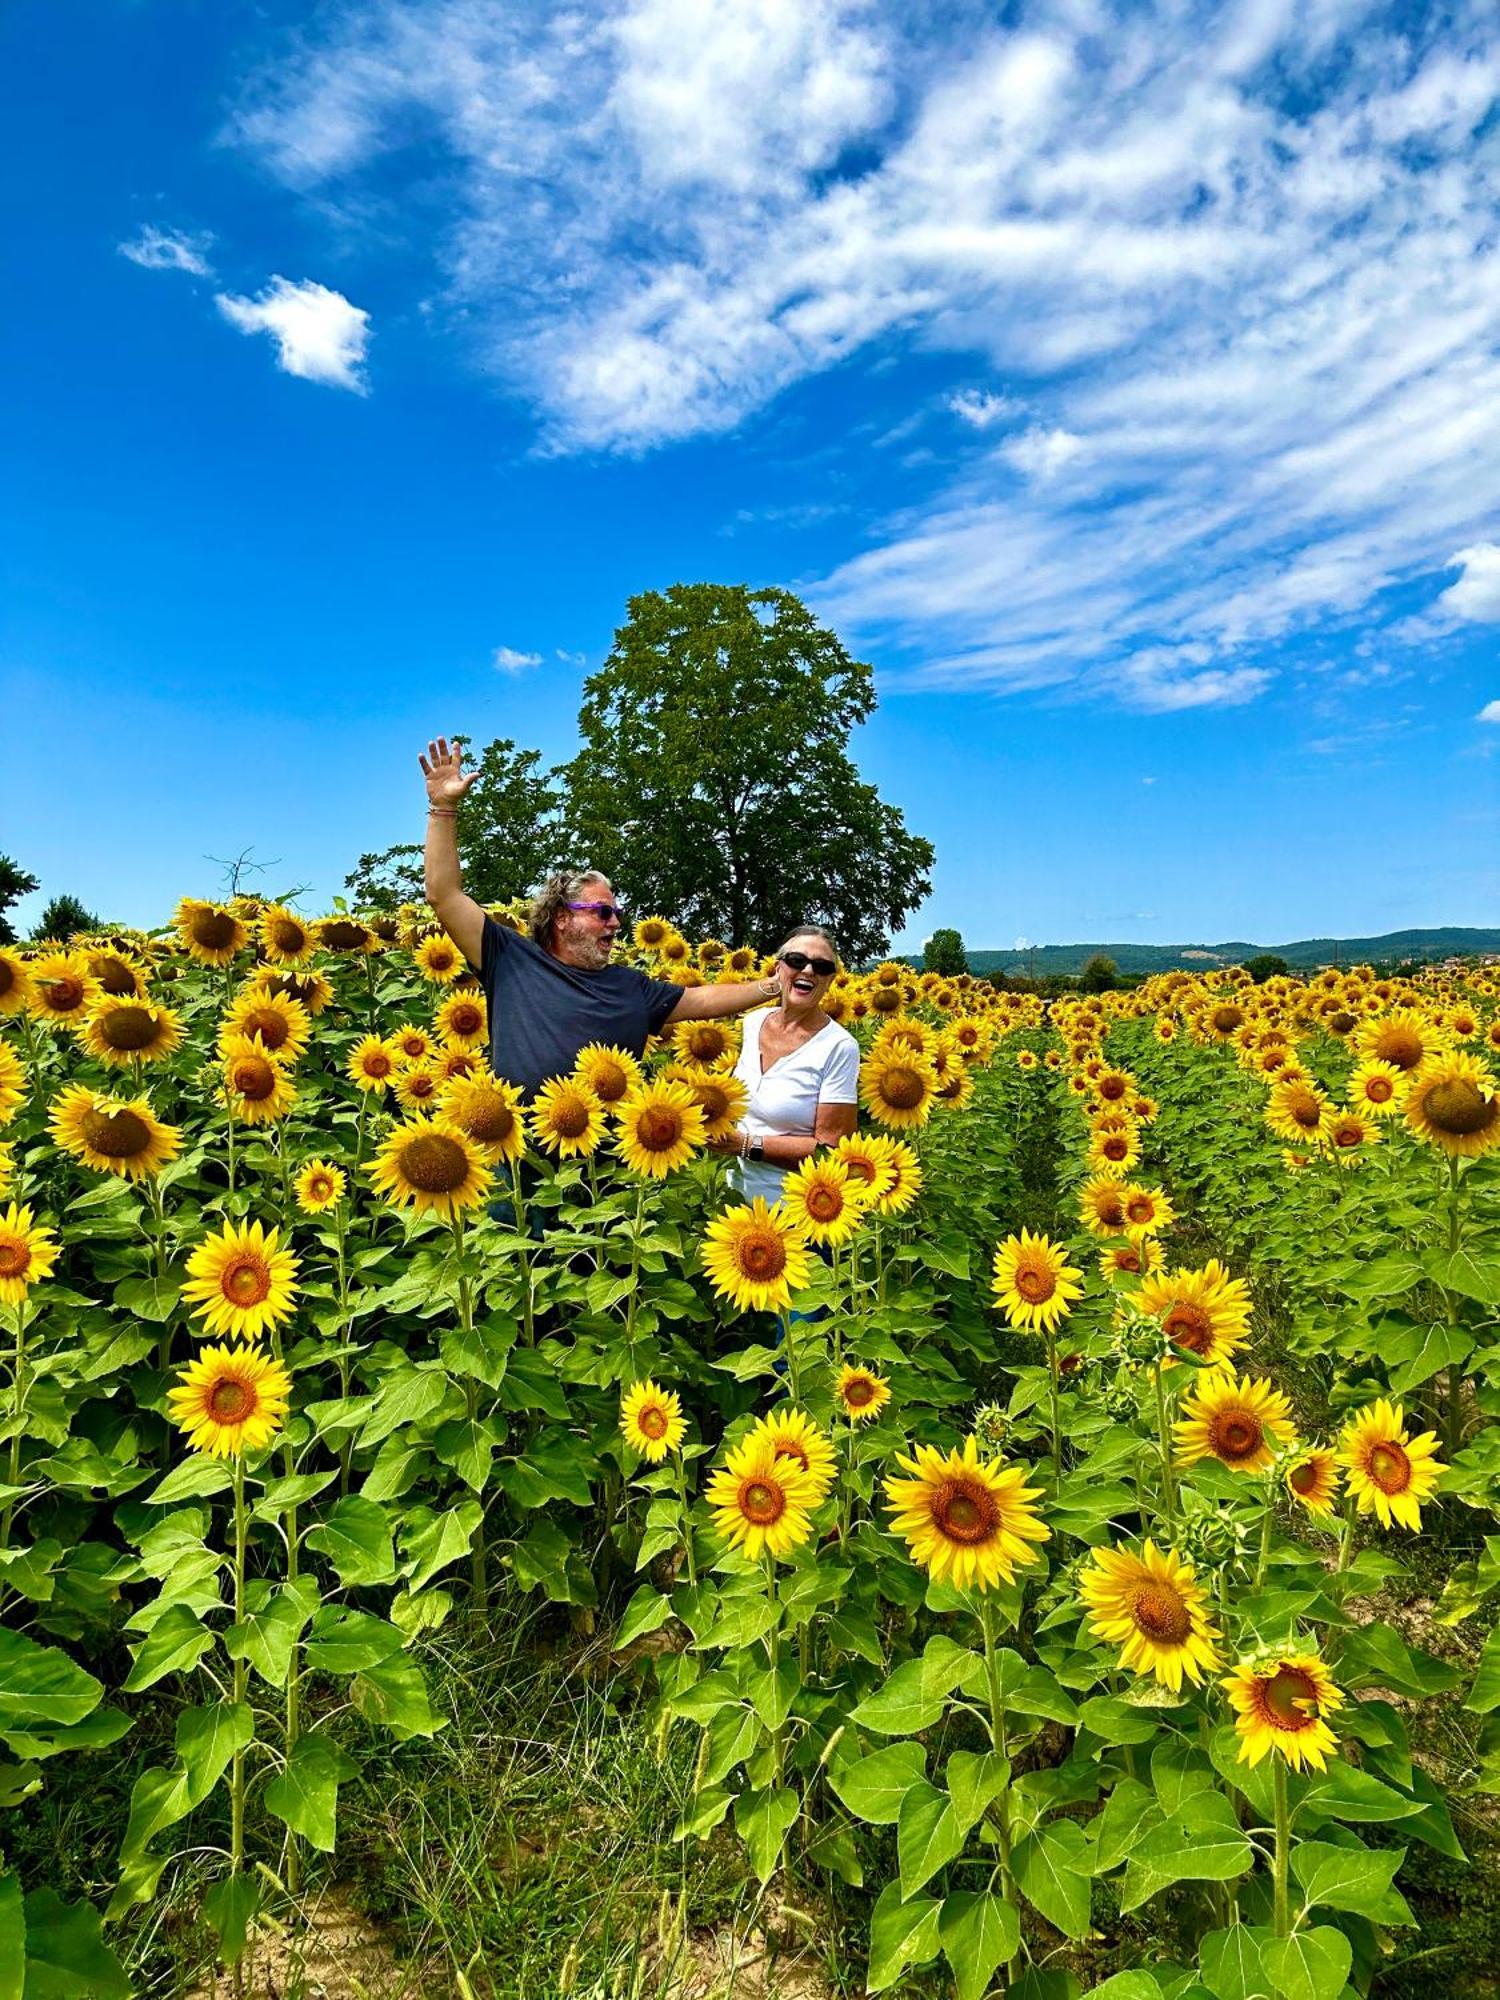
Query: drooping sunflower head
x=761 y=1504
x=898 y=1087
x=432 y=1166
x=462 y=1020
x=868 y=1158
x=373 y=1063
x=61 y=989
x=1101 y=1204
x=754 y=1257
x=567 y=1119
x=966 y=1520
x=651 y=1421
x=1204 y=1312
x=1242 y=1423
x=861 y=1393
x=1281 y=1699
x=241 y=1282
x=1313 y=1480
x=438 y=958
x=112 y=1135
x=789 y=1434
x=284 y=937
x=1153 y=1608
x=1034 y=1284
x=257 y=1088
x=1452 y=1102
x=345 y=936
x=121 y=1032
x=1390 y=1473
x=660 y=1129
x=710 y=1044
x=230 y=1400
x=320 y=1186
x=824 y=1200
x=489 y=1112
x=210 y=932
x=28 y=1251
x=281 y=1026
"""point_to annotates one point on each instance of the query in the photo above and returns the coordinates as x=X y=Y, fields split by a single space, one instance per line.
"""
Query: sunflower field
x=1052 y=1550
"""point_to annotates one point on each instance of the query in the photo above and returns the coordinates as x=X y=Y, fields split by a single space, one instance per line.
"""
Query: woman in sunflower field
x=800 y=1071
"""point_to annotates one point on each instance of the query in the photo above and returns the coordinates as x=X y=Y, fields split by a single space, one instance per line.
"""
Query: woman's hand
x=444 y=771
x=727 y=1142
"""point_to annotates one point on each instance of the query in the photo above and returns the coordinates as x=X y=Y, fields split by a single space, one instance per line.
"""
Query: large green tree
x=15 y=883
x=944 y=952
x=64 y=917
x=714 y=783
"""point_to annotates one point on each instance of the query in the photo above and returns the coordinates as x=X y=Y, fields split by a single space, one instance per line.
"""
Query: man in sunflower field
x=557 y=991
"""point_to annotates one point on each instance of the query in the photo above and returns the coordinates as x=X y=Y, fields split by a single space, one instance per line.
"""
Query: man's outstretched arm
x=706 y=1003
x=460 y=916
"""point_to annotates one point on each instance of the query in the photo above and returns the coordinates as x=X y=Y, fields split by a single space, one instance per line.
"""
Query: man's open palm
x=443 y=768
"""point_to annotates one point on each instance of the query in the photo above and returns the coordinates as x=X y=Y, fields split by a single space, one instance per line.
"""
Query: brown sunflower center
x=1460 y=1108
x=1235 y=1435
x=964 y=1511
x=1401 y=1046
x=1035 y=1282
x=706 y=1043
x=1341 y=1022
x=1347 y=1133
x=215 y=930
x=1304 y=1478
x=320 y=1187
x=609 y=1083
x=659 y=1129
x=112 y=973
x=1127 y=1260
x=1140 y=1209
x=1112 y=1087
x=230 y=1401
x=1110 y=1210
x=63 y=993
x=128 y=1028
x=652 y=1421
x=15 y=1257
x=246 y=1281
x=902 y=1088
x=885 y=1000
x=824 y=1202
x=465 y=1019
x=712 y=1101
x=859 y=1392
x=254 y=1078
x=1290 y=1698
x=420 y=1085
x=862 y=1169
x=490 y=1120
x=434 y=1163
x=1389 y=1467
x=1114 y=1146
x=1227 y=1019
x=338 y=934
x=1161 y=1614
x=287 y=935
x=273 y=1029
x=570 y=1118
x=118 y=1135
x=762 y=1502
x=1189 y=1326
x=440 y=956
x=762 y=1257
x=1379 y=1090
x=376 y=1064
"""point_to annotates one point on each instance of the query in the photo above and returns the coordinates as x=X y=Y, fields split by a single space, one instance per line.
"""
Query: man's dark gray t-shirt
x=543 y=1012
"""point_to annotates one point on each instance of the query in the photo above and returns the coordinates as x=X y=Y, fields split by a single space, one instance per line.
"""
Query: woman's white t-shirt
x=785 y=1098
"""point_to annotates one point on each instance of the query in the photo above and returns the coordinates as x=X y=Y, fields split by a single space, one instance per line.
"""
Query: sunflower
x=1347 y=1133
x=1101 y=1205
x=1240 y=1423
x=761 y=1504
x=721 y=1096
x=320 y=1186
x=566 y=1118
x=418 y=1086
x=210 y=933
x=1452 y=1102
x=439 y=959
x=661 y=1127
x=788 y=1434
x=1295 y=1109
x=282 y=1027
x=709 y=1044
x=862 y=1394
x=956 y=1088
x=965 y=1520
x=461 y=1019
x=309 y=989
x=907 y=1169
x=1151 y=1606
x=28 y=1250
x=489 y=1112
x=824 y=1200
x=1280 y=1700
x=611 y=1074
x=1131 y=1259
x=15 y=981
x=754 y=1257
x=1403 y=1038
x=652 y=1421
x=869 y=1160
x=1165 y=1030
x=256 y=1086
x=898 y=1087
x=229 y=1400
x=674 y=949
x=1115 y=1149
x=284 y=937
x=1147 y=1210
x=1377 y=1088
x=1313 y=1479
x=119 y=1032
x=7 y=1167
x=651 y=933
x=1113 y=1086
x=1205 y=1312
x=1390 y=1473
x=1034 y=1284
x=241 y=1282
x=431 y=1165
x=372 y=1064
x=12 y=1083
x=62 y=989
x=1025 y=1059
x=345 y=935
x=113 y=1135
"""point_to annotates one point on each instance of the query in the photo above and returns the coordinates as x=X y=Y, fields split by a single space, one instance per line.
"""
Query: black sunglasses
x=800 y=962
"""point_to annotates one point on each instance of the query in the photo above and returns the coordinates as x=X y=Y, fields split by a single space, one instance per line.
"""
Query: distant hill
x=1305 y=955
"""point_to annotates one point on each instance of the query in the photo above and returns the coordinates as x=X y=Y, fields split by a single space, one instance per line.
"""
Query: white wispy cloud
x=1235 y=266
x=157 y=249
x=319 y=335
x=1489 y=713
x=507 y=660
x=1476 y=595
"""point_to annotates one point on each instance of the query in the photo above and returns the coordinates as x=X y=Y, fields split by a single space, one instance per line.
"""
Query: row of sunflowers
x=1002 y=1518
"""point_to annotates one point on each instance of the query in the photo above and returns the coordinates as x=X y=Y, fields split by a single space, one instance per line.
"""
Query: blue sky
x=1121 y=381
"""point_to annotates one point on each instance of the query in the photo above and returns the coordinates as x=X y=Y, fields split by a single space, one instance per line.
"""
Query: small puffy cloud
x=508 y=660
x=981 y=408
x=1489 y=713
x=319 y=335
x=1476 y=595
x=1040 y=453
x=168 y=250
x=572 y=659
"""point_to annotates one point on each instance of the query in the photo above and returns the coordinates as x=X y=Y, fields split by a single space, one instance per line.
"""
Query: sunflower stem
x=527 y=1307
x=1052 y=1370
x=478 y=1563
x=229 y=1113
x=1281 y=1917
x=1263 y=1558
x=1164 y=1438
x=18 y=1418
x=1001 y=1744
x=237 y=1696
x=1453 y=1406
x=687 y=1519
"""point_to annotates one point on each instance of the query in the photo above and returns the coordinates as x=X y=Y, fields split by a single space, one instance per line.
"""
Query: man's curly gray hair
x=563 y=886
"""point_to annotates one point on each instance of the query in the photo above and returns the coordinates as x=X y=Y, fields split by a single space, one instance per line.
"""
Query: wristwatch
x=757 y=1149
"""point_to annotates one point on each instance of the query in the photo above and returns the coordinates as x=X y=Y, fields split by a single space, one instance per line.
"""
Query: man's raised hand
x=443 y=769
